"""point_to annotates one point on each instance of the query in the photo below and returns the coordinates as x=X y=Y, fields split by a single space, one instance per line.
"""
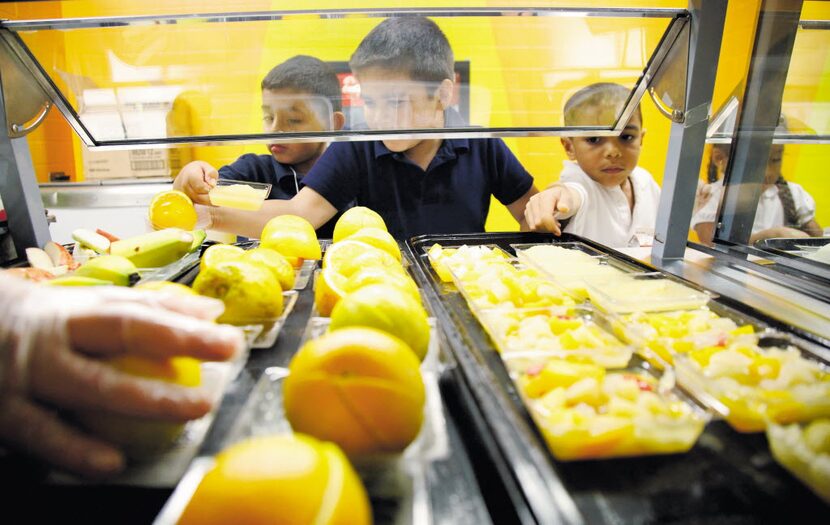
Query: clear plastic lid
x=646 y=292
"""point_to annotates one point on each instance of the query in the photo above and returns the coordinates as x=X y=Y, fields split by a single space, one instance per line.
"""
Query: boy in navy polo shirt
x=419 y=186
x=301 y=94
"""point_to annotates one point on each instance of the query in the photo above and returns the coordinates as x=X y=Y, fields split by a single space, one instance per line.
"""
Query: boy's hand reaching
x=546 y=207
x=196 y=179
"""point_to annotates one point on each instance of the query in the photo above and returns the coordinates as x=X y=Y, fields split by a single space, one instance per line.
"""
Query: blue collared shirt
x=451 y=196
x=281 y=177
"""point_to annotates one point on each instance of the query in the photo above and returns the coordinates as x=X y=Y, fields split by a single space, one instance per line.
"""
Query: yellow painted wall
x=254 y=48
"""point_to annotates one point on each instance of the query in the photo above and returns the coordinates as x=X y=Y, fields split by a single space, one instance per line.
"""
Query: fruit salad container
x=441 y=258
x=263 y=333
x=570 y=264
x=529 y=337
x=804 y=450
x=753 y=384
x=506 y=283
x=643 y=292
x=238 y=194
x=659 y=336
x=587 y=412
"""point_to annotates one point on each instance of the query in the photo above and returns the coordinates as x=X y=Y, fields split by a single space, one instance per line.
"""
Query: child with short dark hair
x=602 y=191
x=300 y=94
x=405 y=67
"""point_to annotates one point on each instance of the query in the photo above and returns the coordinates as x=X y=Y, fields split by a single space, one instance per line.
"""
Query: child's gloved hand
x=51 y=342
x=546 y=207
x=196 y=179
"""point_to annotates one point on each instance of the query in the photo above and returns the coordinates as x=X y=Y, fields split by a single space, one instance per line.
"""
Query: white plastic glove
x=50 y=342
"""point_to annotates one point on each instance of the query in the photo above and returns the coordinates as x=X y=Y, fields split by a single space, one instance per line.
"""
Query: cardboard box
x=133 y=113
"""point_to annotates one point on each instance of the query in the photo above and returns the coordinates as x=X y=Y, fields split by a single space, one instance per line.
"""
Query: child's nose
x=612 y=149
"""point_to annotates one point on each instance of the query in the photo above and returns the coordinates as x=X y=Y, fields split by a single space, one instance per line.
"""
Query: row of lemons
x=353 y=393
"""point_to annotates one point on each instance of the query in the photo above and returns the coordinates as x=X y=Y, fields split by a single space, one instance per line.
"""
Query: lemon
x=172 y=209
x=278 y=480
x=355 y=219
x=347 y=257
x=378 y=238
x=220 y=253
x=144 y=438
x=251 y=293
x=275 y=262
x=359 y=387
x=382 y=275
x=292 y=236
x=166 y=287
x=386 y=308
x=328 y=290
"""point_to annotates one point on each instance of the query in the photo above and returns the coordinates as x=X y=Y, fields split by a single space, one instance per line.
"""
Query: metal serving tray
x=724 y=474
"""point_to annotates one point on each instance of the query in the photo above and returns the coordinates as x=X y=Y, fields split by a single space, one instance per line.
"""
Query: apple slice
x=31 y=274
x=60 y=256
x=90 y=239
x=39 y=259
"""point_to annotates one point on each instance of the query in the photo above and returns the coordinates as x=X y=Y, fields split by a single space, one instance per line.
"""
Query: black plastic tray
x=798 y=247
x=727 y=477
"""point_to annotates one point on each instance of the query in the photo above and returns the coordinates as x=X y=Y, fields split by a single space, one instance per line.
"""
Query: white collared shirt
x=605 y=215
x=770 y=213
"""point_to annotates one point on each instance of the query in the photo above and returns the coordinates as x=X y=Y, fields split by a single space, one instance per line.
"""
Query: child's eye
x=627 y=138
x=295 y=121
x=268 y=119
x=593 y=140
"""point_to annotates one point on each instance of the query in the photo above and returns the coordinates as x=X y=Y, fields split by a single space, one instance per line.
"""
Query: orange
x=358 y=387
x=355 y=219
x=346 y=257
x=166 y=287
x=386 y=308
x=220 y=253
x=378 y=238
x=292 y=236
x=276 y=264
x=172 y=209
x=328 y=290
x=142 y=438
x=251 y=293
x=278 y=480
x=382 y=275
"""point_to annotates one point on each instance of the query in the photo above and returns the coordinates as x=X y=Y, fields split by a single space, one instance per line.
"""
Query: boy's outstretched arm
x=195 y=180
x=517 y=208
x=307 y=204
x=545 y=208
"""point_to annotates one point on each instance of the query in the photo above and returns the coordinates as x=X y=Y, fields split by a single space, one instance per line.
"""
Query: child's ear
x=568 y=144
x=642 y=136
x=444 y=93
x=338 y=120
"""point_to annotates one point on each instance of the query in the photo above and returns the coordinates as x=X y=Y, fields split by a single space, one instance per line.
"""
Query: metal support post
x=688 y=137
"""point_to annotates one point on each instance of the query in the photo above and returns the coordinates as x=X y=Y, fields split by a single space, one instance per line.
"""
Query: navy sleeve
x=511 y=180
x=249 y=168
x=336 y=174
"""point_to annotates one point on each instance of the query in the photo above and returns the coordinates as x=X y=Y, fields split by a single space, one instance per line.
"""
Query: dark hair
x=411 y=44
x=712 y=169
x=308 y=75
x=607 y=95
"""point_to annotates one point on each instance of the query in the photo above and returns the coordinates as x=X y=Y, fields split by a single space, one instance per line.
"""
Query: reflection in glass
x=785 y=209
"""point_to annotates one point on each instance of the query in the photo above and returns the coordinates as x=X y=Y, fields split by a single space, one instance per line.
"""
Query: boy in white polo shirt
x=602 y=191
